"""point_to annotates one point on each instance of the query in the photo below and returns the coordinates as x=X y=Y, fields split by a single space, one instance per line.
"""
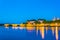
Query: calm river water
x=23 y=34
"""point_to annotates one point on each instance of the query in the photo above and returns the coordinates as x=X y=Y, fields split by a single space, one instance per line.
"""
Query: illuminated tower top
x=54 y=18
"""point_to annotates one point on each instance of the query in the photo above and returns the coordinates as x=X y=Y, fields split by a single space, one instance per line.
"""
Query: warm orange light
x=14 y=25
x=56 y=33
x=6 y=25
x=40 y=27
x=42 y=32
x=22 y=25
x=52 y=30
x=29 y=26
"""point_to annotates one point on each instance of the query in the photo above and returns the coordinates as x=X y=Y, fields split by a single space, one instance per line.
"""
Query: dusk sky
x=18 y=11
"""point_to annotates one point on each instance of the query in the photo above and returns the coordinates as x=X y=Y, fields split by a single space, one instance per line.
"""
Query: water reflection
x=41 y=29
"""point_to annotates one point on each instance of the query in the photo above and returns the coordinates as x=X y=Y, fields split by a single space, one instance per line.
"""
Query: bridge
x=53 y=26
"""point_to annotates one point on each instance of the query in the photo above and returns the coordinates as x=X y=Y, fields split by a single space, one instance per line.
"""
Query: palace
x=40 y=24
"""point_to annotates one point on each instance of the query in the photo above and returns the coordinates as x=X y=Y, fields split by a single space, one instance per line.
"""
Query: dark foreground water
x=17 y=34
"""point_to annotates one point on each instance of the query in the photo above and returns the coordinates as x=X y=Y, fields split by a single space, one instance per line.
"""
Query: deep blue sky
x=17 y=11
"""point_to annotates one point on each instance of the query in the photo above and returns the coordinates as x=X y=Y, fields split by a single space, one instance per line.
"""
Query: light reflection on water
x=20 y=33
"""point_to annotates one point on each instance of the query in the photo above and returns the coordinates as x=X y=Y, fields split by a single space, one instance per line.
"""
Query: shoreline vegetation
x=39 y=22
